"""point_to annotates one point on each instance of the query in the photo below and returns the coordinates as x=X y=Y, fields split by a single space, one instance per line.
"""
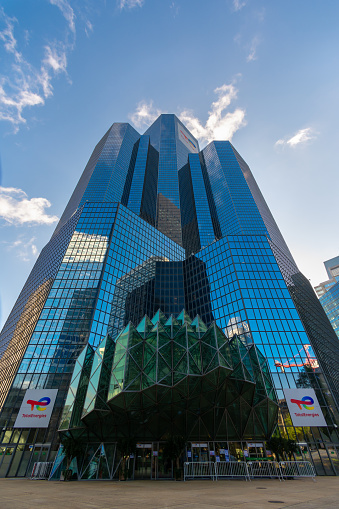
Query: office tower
x=166 y=303
x=328 y=293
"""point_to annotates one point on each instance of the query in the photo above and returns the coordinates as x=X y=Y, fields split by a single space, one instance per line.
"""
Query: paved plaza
x=257 y=494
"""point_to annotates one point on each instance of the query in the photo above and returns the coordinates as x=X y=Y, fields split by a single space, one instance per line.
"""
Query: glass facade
x=154 y=224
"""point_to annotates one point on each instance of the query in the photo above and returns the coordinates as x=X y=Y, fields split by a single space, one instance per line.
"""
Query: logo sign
x=304 y=407
x=36 y=408
x=187 y=140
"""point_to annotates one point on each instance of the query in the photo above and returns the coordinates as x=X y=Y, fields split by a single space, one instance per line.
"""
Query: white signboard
x=187 y=139
x=36 y=408
x=304 y=407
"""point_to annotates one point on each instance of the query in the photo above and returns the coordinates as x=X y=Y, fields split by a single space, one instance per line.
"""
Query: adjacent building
x=166 y=302
x=328 y=293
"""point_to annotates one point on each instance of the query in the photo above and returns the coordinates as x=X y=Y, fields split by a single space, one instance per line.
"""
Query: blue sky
x=264 y=74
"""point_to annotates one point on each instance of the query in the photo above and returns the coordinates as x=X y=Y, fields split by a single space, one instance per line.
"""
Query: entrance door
x=6 y=455
x=143 y=462
x=200 y=452
x=39 y=453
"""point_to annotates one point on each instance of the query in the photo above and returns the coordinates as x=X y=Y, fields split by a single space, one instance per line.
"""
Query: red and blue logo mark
x=41 y=405
x=305 y=402
x=187 y=139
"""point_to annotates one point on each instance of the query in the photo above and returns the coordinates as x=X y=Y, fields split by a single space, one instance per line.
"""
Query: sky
x=262 y=74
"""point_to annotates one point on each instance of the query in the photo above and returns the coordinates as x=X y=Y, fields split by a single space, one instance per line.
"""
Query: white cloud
x=144 y=115
x=302 y=136
x=27 y=85
x=7 y=36
x=23 y=248
x=129 y=4
x=238 y=4
x=66 y=11
x=17 y=209
x=253 y=50
x=219 y=125
x=88 y=28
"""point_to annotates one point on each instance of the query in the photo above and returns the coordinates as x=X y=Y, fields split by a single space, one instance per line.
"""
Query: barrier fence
x=231 y=469
x=269 y=469
x=41 y=470
x=248 y=470
x=199 y=469
x=297 y=469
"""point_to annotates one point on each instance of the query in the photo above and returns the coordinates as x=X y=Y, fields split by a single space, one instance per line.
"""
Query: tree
x=280 y=445
x=72 y=448
x=291 y=448
x=173 y=449
x=125 y=446
x=276 y=445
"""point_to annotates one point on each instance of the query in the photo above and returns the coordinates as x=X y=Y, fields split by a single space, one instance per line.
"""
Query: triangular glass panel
x=178 y=352
x=181 y=337
x=119 y=353
x=207 y=353
x=149 y=352
x=184 y=317
x=124 y=336
x=137 y=353
x=144 y=327
x=167 y=380
x=151 y=370
x=163 y=368
x=134 y=337
x=193 y=368
x=210 y=336
x=199 y=326
x=182 y=367
x=163 y=337
x=159 y=317
x=152 y=338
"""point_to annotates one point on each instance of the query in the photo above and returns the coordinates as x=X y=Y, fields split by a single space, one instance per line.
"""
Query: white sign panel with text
x=304 y=407
x=36 y=408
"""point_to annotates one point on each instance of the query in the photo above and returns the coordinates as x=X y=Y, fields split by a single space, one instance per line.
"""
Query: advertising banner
x=36 y=408
x=304 y=407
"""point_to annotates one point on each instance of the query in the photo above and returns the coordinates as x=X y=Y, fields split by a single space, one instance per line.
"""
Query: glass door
x=6 y=453
x=164 y=465
x=143 y=462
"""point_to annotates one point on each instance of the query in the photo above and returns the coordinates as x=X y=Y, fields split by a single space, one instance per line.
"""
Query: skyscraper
x=166 y=302
x=328 y=293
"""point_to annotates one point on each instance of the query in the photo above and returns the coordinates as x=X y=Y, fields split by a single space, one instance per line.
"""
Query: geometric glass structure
x=171 y=376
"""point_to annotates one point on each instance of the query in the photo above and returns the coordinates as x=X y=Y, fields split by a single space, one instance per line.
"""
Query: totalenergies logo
x=187 y=139
x=305 y=402
x=41 y=405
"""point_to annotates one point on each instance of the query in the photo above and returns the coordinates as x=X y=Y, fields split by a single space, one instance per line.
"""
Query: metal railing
x=199 y=469
x=231 y=469
x=269 y=469
x=248 y=470
x=42 y=470
x=297 y=469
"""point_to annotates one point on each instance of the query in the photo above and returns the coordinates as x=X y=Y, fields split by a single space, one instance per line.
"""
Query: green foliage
x=280 y=446
x=291 y=447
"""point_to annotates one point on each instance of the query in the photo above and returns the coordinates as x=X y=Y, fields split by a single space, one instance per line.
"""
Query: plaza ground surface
x=257 y=494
